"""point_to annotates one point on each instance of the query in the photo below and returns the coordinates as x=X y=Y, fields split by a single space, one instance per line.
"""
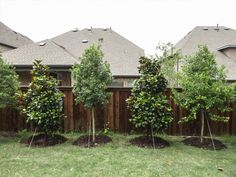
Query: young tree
x=8 y=84
x=91 y=78
x=204 y=89
x=43 y=101
x=148 y=104
x=170 y=60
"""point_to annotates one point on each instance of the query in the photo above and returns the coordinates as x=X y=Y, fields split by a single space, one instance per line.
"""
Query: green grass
x=118 y=158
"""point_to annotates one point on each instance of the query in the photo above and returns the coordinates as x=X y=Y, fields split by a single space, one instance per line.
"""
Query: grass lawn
x=118 y=158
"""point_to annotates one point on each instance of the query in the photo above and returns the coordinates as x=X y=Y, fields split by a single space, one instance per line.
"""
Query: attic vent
x=105 y=29
x=42 y=43
x=226 y=28
x=84 y=41
x=100 y=40
x=205 y=29
x=75 y=30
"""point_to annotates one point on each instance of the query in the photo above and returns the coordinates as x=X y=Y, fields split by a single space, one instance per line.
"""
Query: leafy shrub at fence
x=8 y=84
x=42 y=103
x=148 y=104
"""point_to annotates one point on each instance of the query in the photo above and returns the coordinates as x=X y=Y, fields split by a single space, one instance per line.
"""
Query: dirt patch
x=86 y=141
x=147 y=142
x=42 y=141
x=206 y=144
x=8 y=134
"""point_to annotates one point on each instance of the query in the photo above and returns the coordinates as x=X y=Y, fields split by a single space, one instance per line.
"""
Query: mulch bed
x=40 y=140
x=84 y=141
x=206 y=144
x=147 y=142
x=8 y=134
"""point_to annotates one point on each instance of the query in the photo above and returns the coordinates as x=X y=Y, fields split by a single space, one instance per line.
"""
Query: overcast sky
x=144 y=22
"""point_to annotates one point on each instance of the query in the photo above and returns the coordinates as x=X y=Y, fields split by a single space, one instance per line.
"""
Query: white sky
x=144 y=22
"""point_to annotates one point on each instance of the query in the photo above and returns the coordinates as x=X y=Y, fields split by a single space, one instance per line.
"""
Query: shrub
x=8 y=84
x=43 y=101
x=148 y=104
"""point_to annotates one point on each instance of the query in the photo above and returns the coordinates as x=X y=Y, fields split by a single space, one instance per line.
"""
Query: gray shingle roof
x=216 y=39
x=122 y=54
x=50 y=53
x=11 y=38
x=66 y=49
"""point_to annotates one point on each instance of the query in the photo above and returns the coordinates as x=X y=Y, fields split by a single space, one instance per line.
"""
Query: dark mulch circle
x=8 y=134
x=86 y=141
x=147 y=142
x=41 y=141
x=206 y=144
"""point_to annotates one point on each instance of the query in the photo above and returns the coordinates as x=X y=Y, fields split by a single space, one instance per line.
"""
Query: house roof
x=226 y=47
x=217 y=39
x=50 y=53
x=11 y=38
x=120 y=53
x=67 y=48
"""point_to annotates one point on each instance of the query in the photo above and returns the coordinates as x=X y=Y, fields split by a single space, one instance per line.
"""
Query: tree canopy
x=204 y=87
x=91 y=78
x=8 y=84
x=43 y=101
x=170 y=59
x=148 y=104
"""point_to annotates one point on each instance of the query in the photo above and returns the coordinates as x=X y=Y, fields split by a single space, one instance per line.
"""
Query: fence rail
x=115 y=116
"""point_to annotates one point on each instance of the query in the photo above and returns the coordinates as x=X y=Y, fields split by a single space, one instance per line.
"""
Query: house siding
x=63 y=76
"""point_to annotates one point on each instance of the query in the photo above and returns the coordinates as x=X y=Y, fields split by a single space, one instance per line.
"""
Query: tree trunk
x=93 y=125
x=153 y=140
x=45 y=138
x=202 y=125
x=89 y=127
x=149 y=132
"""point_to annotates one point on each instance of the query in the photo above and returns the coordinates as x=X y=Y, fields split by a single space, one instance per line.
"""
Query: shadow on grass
x=8 y=140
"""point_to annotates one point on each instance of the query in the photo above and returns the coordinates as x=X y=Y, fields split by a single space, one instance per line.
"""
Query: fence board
x=114 y=114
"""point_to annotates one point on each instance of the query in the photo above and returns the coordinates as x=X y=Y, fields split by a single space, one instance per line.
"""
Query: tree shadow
x=7 y=140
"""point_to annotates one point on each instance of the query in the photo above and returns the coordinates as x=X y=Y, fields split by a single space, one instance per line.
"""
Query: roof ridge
x=13 y=38
x=184 y=41
x=128 y=40
x=186 y=38
x=64 y=49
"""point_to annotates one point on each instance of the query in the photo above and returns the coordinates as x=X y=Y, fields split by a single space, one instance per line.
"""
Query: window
x=125 y=82
x=116 y=83
x=57 y=76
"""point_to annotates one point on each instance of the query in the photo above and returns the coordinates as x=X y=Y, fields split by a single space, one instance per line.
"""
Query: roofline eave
x=226 y=47
x=51 y=66
x=7 y=45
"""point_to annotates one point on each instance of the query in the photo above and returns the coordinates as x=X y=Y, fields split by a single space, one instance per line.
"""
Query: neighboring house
x=10 y=39
x=62 y=51
x=219 y=39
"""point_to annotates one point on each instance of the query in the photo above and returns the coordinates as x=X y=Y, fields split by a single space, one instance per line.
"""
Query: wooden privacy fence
x=114 y=116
